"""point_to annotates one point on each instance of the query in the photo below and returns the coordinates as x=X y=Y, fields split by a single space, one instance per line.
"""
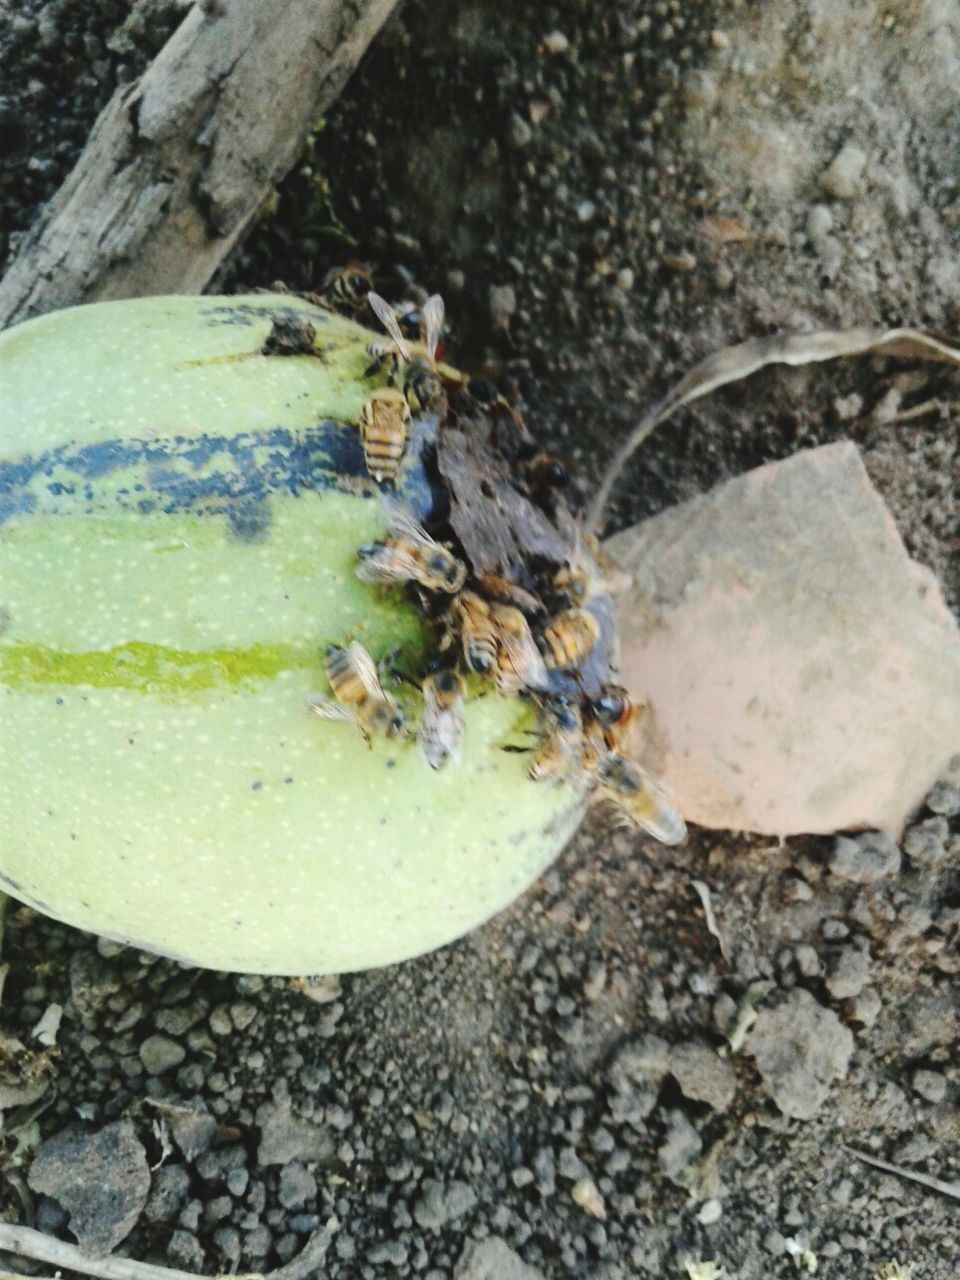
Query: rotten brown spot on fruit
x=291 y=335
x=499 y=528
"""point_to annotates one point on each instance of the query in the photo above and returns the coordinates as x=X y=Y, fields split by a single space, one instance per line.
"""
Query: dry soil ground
x=604 y=193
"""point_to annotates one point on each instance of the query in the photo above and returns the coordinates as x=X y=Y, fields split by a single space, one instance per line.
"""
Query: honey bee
x=384 y=428
x=440 y=733
x=478 y=634
x=519 y=664
x=560 y=752
x=503 y=591
x=568 y=638
x=412 y=364
x=616 y=717
x=590 y=572
x=641 y=800
x=346 y=287
x=409 y=318
x=409 y=554
x=543 y=475
x=360 y=697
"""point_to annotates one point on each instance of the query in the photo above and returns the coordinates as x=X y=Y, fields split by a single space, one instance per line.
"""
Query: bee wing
x=440 y=733
x=366 y=670
x=524 y=657
x=432 y=322
x=386 y=565
x=327 y=709
x=652 y=810
x=387 y=317
x=403 y=525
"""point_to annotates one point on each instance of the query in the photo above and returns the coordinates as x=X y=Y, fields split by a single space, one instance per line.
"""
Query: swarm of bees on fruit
x=518 y=596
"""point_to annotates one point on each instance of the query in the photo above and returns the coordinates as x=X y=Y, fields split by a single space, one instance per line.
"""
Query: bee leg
x=385 y=665
x=401 y=677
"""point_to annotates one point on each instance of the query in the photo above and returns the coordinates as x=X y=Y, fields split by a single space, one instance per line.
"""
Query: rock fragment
x=930 y=1085
x=101 y=1179
x=848 y=972
x=843 y=176
x=285 y=1137
x=866 y=858
x=159 y=1054
x=681 y=1147
x=800 y=1049
x=503 y=304
x=192 y=1129
x=439 y=1204
x=926 y=843
x=803 y=673
x=702 y=1075
x=493 y=1259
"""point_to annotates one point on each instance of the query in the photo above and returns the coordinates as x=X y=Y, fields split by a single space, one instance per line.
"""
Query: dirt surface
x=603 y=194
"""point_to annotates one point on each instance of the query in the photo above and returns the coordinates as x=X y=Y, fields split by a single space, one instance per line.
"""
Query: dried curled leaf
x=24 y=1073
x=732 y=363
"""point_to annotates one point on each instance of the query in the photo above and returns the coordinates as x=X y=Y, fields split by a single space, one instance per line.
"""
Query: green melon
x=178 y=523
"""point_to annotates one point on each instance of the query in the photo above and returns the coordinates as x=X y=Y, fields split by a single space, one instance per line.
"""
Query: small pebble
x=519 y=133
x=848 y=972
x=703 y=1075
x=819 y=222
x=926 y=843
x=556 y=42
x=865 y=858
x=585 y=1193
x=865 y=1007
x=944 y=799
x=843 y=177
x=930 y=1085
x=159 y=1054
x=502 y=304
x=710 y=1212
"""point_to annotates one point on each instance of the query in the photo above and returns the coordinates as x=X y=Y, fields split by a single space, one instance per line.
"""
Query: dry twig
x=27 y=1243
x=951 y=1189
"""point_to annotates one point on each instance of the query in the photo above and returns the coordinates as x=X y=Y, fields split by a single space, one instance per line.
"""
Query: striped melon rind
x=179 y=517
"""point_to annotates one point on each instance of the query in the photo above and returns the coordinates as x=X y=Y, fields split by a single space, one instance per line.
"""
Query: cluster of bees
x=489 y=627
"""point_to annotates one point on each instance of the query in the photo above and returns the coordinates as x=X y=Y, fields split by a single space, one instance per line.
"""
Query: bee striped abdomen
x=384 y=427
x=345 y=680
x=569 y=637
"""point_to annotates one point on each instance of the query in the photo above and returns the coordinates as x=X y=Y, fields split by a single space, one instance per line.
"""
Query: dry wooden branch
x=27 y=1243
x=180 y=161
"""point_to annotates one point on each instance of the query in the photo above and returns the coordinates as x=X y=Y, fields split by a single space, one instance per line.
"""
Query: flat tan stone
x=802 y=670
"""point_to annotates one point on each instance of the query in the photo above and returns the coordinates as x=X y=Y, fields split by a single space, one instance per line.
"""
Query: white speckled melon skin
x=164 y=605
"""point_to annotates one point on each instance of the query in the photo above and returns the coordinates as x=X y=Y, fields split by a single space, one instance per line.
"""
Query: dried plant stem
x=730 y=364
x=951 y=1189
x=27 y=1243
